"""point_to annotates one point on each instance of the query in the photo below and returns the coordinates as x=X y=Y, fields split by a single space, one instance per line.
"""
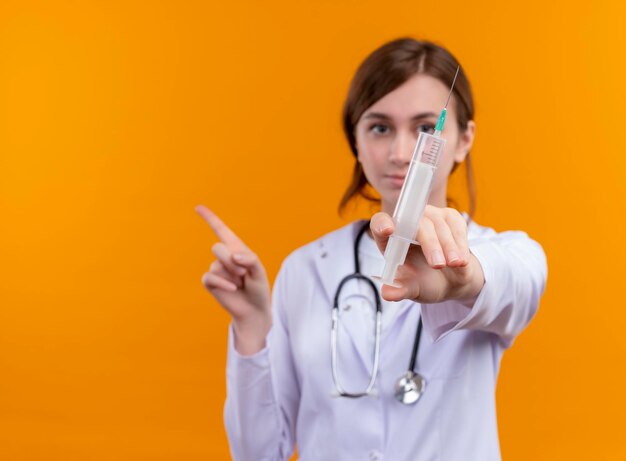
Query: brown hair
x=383 y=71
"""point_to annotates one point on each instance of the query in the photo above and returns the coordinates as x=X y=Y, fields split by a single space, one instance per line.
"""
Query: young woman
x=472 y=291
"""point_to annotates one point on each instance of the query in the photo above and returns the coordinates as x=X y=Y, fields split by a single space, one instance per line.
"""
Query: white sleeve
x=263 y=393
x=515 y=272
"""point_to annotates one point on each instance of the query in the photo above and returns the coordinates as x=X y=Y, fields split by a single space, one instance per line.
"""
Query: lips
x=396 y=179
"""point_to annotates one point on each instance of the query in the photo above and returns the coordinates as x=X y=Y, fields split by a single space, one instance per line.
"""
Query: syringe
x=414 y=195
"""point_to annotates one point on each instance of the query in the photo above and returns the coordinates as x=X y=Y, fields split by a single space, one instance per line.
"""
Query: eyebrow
x=386 y=117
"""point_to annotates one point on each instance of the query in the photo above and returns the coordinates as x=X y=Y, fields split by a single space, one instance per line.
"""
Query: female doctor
x=357 y=393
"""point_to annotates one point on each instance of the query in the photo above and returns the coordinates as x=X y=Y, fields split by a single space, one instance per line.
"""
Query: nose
x=402 y=149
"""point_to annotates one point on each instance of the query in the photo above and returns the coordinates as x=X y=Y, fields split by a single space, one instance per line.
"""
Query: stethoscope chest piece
x=410 y=387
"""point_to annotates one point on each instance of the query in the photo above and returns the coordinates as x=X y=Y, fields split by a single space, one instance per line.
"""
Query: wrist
x=250 y=333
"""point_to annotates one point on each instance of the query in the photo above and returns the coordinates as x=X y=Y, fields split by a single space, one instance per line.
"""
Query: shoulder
x=314 y=265
x=326 y=243
x=479 y=233
x=514 y=245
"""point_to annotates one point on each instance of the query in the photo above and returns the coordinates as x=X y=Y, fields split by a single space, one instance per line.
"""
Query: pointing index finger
x=222 y=231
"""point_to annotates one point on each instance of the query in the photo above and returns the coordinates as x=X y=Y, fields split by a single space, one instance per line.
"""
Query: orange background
x=117 y=118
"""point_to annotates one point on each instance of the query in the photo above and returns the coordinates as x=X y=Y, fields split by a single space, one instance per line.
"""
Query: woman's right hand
x=238 y=281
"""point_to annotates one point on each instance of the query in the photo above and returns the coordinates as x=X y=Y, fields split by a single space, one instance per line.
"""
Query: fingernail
x=437 y=257
x=383 y=228
x=453 y=256
x=237 y=256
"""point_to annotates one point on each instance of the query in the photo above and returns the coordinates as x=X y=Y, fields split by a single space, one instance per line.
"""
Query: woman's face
x=387 y=132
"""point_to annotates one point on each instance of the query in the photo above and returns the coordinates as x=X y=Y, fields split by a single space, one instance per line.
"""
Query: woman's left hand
x=441 y=267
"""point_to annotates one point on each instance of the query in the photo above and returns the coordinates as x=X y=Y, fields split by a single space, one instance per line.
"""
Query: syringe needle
x=452 y=86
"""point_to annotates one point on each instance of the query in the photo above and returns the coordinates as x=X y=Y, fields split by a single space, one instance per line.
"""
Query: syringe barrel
x=412 y=201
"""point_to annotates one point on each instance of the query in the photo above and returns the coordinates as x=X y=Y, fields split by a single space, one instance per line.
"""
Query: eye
x=379 y=129
x=426 y=128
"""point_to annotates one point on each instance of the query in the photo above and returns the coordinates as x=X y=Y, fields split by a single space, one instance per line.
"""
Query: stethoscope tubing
x=378 y=327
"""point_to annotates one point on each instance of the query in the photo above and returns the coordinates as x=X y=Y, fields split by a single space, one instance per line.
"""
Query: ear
x=466 y=139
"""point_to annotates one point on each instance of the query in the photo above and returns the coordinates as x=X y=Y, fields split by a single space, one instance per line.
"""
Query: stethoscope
x=410 y=385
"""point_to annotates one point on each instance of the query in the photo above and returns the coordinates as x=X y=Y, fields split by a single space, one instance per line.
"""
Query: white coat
x=283 y=394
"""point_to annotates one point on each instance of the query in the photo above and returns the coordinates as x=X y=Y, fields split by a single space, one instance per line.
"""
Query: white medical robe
x=283 y=394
